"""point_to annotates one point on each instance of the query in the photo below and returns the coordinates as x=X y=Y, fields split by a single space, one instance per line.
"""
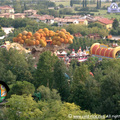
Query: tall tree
x=61 y=83
x=15 y=66
x=98 y=4
x=71 y=3
x=110 y=92
x=113 y=0
x=17 y=6
x=115 y=24
x=45 y=69
x=83 y=3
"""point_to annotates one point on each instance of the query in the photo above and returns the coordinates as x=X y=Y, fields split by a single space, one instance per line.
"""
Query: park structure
x=104 y=51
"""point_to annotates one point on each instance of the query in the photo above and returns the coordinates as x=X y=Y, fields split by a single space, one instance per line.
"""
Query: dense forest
x=97 y=94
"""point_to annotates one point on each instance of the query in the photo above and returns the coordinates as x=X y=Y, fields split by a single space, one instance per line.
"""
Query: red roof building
x=30 y=12
x=19 y=15
x=6 y=9
x=106 y=22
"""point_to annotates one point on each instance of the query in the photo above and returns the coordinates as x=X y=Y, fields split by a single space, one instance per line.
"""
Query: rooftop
x=105 y=21
x=31 y=10
x=6 y=7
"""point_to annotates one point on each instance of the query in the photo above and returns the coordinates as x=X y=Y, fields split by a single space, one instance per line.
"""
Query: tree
x=92 y=61
x=98 y=4
x=45 y=69
x=25 y=108
x=16 y=66
x=83 y=3
x=115 y=24
x=113 y=1
x=110 y=94
x=60 y=82
x=9 y=77
x=21 y=108
x=62 y=6
x=54 y=13
x=17 y=6
x=51 y=4
x=61 y=111
x=47 y=94
x=95 y=25
x=1 y=31
x=6 y=22
x=20 y=88
x=71 y=3
x=66 y=11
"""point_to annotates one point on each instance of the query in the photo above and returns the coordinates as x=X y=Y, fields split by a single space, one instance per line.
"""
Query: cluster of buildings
x=81 y=56
x=96 y=50
x=8 y=12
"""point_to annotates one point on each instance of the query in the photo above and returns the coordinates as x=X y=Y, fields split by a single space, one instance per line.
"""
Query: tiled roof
x=81 y=20
x=34 y=16
x=105 y=21
x=6 y=7
x=19 y=14
x=6 y=14
x=42 y=18
x=48 y=16
x=31 y=10
x=68 y=20
x=97 y=17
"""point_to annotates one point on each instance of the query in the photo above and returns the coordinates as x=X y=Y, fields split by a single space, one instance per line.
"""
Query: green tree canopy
x=115 y=24
x=45 y=69
x=95 y=25
x=60 y=82
x=25 y=108
x=47 y=94
x=15 y=66
x=22 y=87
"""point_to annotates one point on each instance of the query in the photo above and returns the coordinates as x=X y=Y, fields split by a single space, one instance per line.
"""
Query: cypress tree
x=71 y=3
x=83 y=3
x=97 y=4
x=100 y=3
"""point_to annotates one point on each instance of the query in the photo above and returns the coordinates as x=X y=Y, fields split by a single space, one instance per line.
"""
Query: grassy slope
x=100 y=13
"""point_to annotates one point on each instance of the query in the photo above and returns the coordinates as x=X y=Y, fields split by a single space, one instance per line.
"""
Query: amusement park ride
x=81 y=56
x=57 y=42
x=42 y=40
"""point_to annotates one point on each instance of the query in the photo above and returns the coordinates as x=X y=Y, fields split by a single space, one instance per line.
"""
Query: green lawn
x=103 y=4
x=105 y=14
x=67 y=3
x=112 y=15
x=101 y=12
x=64 y=3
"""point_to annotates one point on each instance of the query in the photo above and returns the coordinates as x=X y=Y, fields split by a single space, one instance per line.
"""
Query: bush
x=66 y=11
